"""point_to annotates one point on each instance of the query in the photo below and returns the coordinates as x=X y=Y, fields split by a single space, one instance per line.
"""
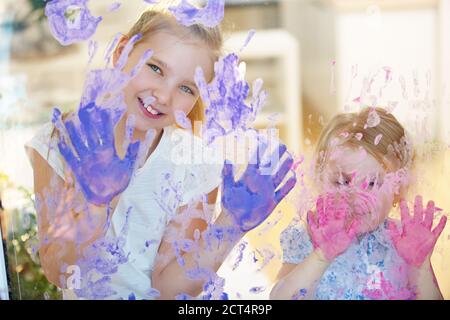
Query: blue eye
x=186 y=90
x=155 y=68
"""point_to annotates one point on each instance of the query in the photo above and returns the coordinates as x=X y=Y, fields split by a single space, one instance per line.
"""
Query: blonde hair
x=352 y=129
x=157 y=17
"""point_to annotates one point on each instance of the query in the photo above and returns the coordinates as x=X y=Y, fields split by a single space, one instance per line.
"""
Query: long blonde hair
x=353 y=129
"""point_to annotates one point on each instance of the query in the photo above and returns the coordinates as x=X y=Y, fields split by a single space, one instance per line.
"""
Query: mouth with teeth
x=148 y=110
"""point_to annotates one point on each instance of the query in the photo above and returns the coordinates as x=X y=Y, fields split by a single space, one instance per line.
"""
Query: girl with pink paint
x=349 y=248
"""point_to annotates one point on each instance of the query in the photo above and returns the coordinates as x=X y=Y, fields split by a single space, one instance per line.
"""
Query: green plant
x=28 y=281
x=35 y=14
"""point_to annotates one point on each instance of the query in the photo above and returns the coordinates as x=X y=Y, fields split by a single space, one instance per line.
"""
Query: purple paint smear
x=240 y=256
x=182 y=120
x=92 y=50
x=250 y=36
x=114 y=6
x=210 y=16
x=58 y=204
x=300 y=294
x=102 y=259
x=70 y=21
x=213 y=288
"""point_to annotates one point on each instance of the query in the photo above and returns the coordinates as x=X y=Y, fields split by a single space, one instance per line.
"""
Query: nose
x=162 y=94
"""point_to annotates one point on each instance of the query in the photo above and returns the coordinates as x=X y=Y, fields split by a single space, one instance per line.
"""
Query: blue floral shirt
x=369 y=269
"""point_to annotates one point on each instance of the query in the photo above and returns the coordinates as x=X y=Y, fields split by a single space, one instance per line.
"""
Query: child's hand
x=96 y=166
x=416 y=241
x=334 y=228
x=252 y=198
x=93 y=159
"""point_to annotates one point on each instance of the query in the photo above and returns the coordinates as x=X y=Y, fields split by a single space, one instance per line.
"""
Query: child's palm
x=252 y=198
x=415 y=242
x=96 y=166
x=331 y=230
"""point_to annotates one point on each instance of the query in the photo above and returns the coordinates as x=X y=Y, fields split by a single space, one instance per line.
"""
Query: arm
x=425 y=282
x=169 y=277
x=415 y=244
x=305 y=275
x=246 y=203
x=330 y=238
x=58 y=244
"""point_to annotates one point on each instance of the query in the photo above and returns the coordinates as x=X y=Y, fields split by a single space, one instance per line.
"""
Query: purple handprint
x=225 y=97
x=252 y=198
x=93 y=158
x=98 y=169
x=210 y=16
x=70 y=20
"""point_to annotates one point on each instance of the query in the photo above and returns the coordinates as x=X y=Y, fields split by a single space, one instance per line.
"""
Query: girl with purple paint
x=115 y=206
x=349 y=248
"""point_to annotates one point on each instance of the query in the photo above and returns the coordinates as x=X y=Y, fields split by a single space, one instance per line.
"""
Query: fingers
x=429 y=215
x=147 y=55
x=353 y=228
x=312 y=219
x=268 y=165
x=126 y=51
x=68 y=155
x=143 y=149
x=132 y=152
x=87 y=118
x=286 y=188
x=393 y=231
x=282 y=171
x=57 y=121
x=418 y=209
x=258 y=154
x=129 y=129
x=105 y=129
x=110 y=48
x=228 y=173
x=76 y=139
x=438 y=230
x=278 y=154
x=320 y=205
x=404 y=212
x=182 y=120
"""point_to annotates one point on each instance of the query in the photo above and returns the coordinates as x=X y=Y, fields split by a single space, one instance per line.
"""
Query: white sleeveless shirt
x=180 y=169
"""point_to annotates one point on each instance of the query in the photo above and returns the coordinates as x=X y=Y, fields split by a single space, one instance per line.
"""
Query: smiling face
x=165 y=83
x=351 y=169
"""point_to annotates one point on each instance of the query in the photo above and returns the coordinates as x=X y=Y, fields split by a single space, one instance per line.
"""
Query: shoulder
x=42 y=151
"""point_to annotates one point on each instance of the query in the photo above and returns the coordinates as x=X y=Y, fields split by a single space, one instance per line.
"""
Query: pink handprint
x=333 y=229
x=415 y=242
